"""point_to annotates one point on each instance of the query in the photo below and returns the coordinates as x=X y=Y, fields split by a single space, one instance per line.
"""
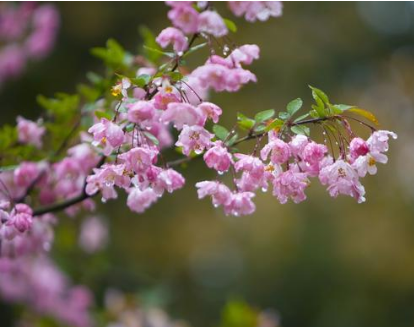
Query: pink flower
x=139 y=159
x=218 y=158
x=245 y=54
x=312 y=155
x=378 y=141
x=222 y=78
x=173 y=36
x=254 y=175
x=209 y=110
x=256 y=10
x=122 y=88
x=21 y=217
x=298 y=144
x=341 y=178
x=241 y=204
x=365 y=155
x=182 y=114
x=290 y=184
x=166 y=94
x=358 y=147
x=169 y=180
x=185 y=18
x=29 y=132
x=140 y=111
x=94 y=235
x=210 y=22
x=107 y=134
x=220 y=193
x=140 y=200
x=250 y=164
x=279 y=150
x=194 y=138
x=105 y=179
x=26 y=174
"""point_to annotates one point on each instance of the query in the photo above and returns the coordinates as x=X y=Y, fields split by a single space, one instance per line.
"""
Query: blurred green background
x=322 y=263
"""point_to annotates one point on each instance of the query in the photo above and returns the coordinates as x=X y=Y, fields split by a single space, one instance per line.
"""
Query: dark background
x=322 y=263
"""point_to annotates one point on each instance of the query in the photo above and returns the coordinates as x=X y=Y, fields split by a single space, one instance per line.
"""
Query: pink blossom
x=185 y=18
x=194 y=138
x=26 y=174
x=210 y=22
x=279 y=150
x=173 y=36
x=245 y=54
x=105 y=179
x=218 y=157
x=209 y=110
x=140 y=200
x=367 y=164
x=182 y=114
x=29 y=132
x=169 y=180
x=254 y=175
x=313 y=155
x=222 y=78
x=341 y=178
x=139 y=159
x=378 y=141
x=122 y=88
x=94 y=234
x=220 y=193
x=357 y=147
x=166 y=94
x=298 y=144
x=290 y=184
x=107 y=134
x=256 y=10
x=241 y=204
x=140 y=111
x=21 y=217
x=12 y=62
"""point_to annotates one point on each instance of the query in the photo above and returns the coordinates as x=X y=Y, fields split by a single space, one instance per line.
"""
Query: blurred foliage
x=323 y=263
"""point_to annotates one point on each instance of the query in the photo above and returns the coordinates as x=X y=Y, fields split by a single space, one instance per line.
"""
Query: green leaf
x=175 y=76
x=194 y=49
x=141 y=80
x=113 y=55
x=102 y=114
x=244 y=122
x=264 y=115
x=232 y=139
x=300 y=129
x=276 y=124
x=230 y=25
x=317 y=93
x=149 y=41
x=152 y=138
x=301 y=117
x=343 y=107
x=294 y=105
x=160 y=52
x=284 y=115
x=221 y=132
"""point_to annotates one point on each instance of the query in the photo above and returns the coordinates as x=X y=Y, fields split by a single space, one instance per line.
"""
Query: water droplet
x=226 y=50
x=264 y=189
x=220 y=172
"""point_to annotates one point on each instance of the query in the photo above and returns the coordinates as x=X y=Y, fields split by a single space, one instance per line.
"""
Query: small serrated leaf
x=300 y=129
x=264 y=115
x=230 y=25
x=221 y=132
x=294 y=105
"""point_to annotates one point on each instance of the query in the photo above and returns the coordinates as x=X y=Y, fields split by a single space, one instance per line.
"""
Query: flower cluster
x=28 y=32
x=288 y=167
